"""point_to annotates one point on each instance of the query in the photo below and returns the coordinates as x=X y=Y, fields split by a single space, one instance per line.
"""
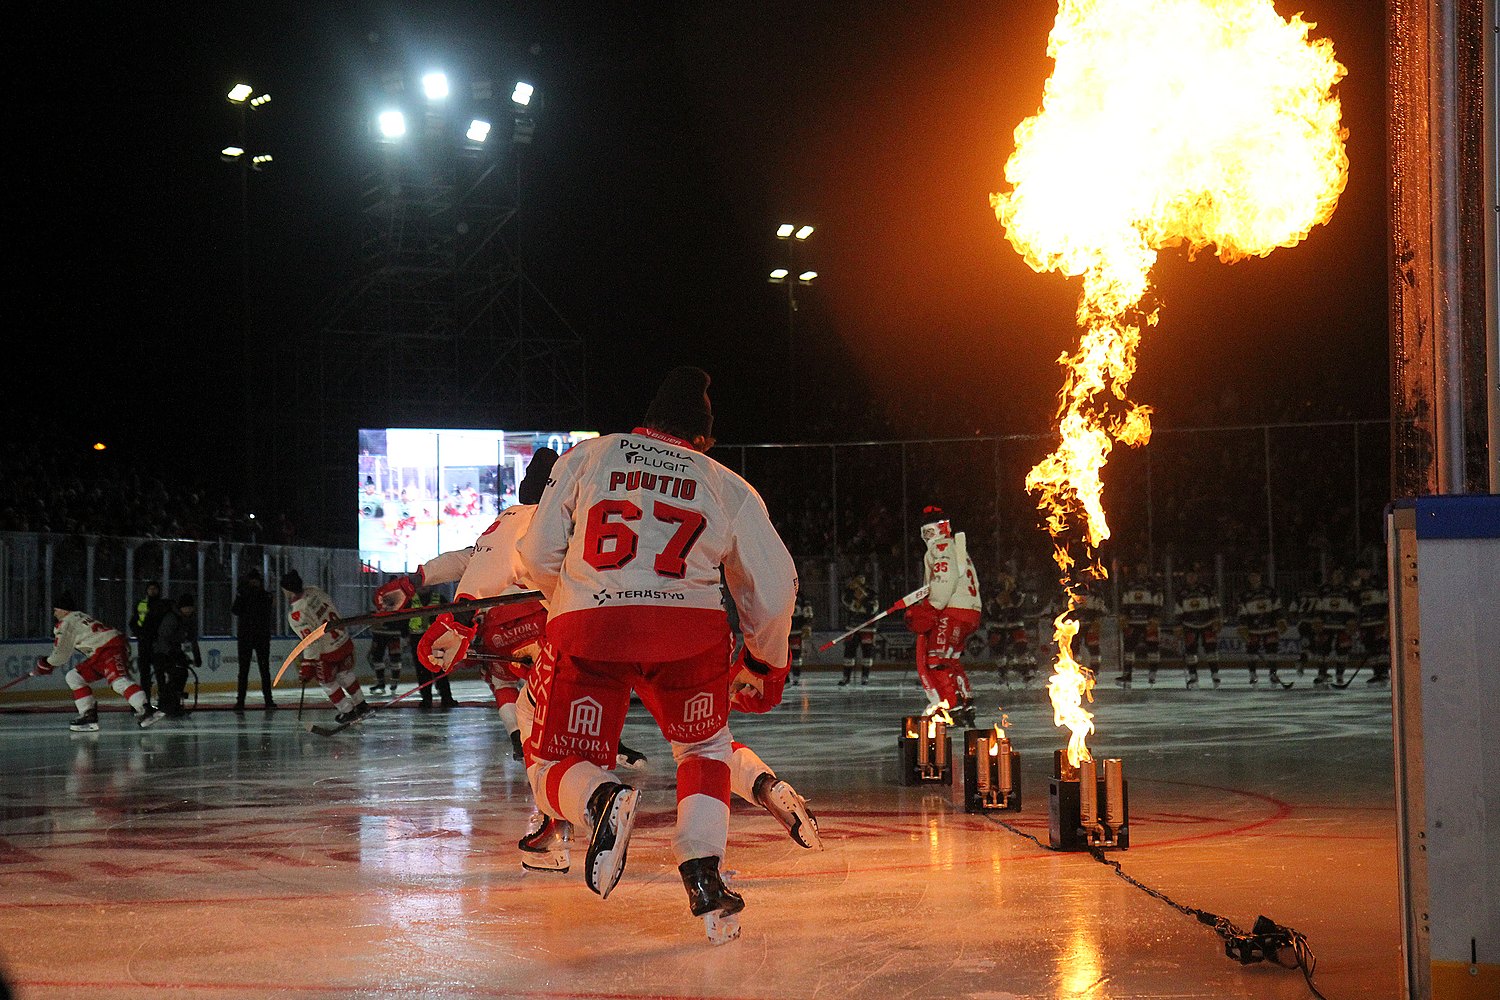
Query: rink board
x=1444 y=575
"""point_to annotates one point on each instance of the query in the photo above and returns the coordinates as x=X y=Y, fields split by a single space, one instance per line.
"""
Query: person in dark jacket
x=176 y=647
x=148 y=615
x=252 y=611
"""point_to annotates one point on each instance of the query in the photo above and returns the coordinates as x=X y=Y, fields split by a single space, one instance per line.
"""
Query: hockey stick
x=302 y=700
x=359 y=621
x=325 y=730
x=1353 y=675
x=905 y=602
x=23 y=677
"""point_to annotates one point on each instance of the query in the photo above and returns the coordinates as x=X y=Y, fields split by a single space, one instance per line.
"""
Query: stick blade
x=323 y=729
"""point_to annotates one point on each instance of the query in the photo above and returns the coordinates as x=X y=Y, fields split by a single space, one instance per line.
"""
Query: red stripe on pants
x=703 y=776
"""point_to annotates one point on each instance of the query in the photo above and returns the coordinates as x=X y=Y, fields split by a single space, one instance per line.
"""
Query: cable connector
x=1267 y=941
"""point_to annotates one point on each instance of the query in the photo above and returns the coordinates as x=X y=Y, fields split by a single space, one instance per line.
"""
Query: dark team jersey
x=1197 y=607
x=1259 y=609
x=859 y=606
x=1374 y=606
x=1091 y=608
x=1306 y=605
x=802 y=615
x=1337 y=605
x=1141 y=603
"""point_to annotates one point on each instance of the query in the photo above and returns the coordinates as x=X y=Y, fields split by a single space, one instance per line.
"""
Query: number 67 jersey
x=627 y=543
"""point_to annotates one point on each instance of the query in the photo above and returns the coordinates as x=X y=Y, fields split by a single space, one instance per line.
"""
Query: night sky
x=672 y=140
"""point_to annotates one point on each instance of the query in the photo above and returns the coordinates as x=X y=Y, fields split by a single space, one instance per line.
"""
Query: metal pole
x=1270 y=520
x=90 y=543
x=905 y=528
x=833 y=456
x=1357 y=547
x=1448 y=298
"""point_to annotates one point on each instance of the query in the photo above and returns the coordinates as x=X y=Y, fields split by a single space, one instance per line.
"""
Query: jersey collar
x=662 y=436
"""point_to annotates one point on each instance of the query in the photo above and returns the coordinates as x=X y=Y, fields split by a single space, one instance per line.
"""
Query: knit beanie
x=681 y=406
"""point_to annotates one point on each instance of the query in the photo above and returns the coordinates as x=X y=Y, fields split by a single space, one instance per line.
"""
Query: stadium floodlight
x=478 y=130
x=807 y=276
x=260 y=161
x=392 y=124
x=260 y=99
x=239 y=92
x=522 y=94
x=784 y=230
x=778 y=275
x=230 y=154
x=435 y=85
x=804 y=232
x=99 y=446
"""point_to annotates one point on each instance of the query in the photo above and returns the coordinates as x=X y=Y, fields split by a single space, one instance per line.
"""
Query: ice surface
x=220 y=856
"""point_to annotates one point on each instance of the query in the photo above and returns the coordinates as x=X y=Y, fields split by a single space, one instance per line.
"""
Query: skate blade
x=804 y=826
x=604 y=869
x=547 y=863
x=90 y=727
x=722 y=928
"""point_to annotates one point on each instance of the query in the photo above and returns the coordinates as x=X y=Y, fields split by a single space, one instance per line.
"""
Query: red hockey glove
x=42 y=666
x=307 y=669
x=921 y=617
x=393 y=595
x=444 y=644
x=758 y=686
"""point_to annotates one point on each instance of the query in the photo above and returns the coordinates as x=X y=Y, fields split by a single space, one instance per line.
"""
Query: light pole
x=792 y=234
x=244 y=98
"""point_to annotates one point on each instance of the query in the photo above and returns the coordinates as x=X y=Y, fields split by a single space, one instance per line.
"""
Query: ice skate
x=545 y=846
x=845 y=681
x=1254 y=679
x=629 y=757
x=611 y=814
x=86 y=722
x=789 y=809
x=353 y=715
x=516 y=753
x=1217 y=681
x=379 y=688
x=711 y=899
x=1192 y=680
x=148 y=716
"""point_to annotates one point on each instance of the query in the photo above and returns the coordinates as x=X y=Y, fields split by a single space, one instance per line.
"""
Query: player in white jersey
x=944 y=619
x=627 y=547
x=329 y=660
x=105 y=655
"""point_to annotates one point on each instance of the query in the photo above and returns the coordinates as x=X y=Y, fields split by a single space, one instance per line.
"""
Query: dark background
x=672 y=139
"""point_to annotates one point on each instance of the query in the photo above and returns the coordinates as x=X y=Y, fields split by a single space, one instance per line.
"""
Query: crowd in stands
x=43 y=491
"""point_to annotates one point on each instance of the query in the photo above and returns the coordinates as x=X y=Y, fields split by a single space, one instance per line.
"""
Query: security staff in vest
x=426 y=598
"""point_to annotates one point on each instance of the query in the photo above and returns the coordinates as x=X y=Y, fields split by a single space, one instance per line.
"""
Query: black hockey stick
x=326 y=730
x=1353 y=675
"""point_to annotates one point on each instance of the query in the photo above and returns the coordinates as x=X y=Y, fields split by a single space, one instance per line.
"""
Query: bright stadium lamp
x=231 y=154
x=778 y=275
x=806 y=277
x=522 y=94
x=784 y=230
x=435 y=86
x=239 y=92
x=478 y=130
x=392 y=124
x=260 y=162
x=804 y=232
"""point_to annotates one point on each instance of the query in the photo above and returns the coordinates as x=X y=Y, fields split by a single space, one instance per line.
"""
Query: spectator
x=252 y=608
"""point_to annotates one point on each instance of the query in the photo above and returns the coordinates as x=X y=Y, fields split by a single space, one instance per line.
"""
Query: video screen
x=424 y=491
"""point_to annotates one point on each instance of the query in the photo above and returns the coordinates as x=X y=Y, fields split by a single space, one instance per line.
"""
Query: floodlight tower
x=440 y=326
x=789 y=275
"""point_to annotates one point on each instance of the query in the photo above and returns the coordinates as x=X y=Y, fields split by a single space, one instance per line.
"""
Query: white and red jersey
x=77 y=632
x=494 y=567
x=626 y=547
x=445 y=568
x=309 y=611
x=949 y=574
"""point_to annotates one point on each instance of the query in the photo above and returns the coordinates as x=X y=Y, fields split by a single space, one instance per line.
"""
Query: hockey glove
x=444 y=644
x=393 y=595
x=307 y=669
x=921 y=617
x=759 y=686
x=42 y=666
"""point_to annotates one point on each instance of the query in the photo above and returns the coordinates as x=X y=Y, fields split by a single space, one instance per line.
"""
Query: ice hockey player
x=329 y=660
x=1374 y=625
x=1198 y=615
x=105 y=658
x=385 y=651
x=802 y=628
x=1305 y=607
x=1141 y=602
x=1337 y=617
x=1261 y=624
x=627 y=546
x=944 y=619
x=860 y=605
x=1090 y=618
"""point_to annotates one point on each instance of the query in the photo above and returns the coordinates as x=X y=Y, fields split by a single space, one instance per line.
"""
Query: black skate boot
x=789 y=809
x=86 y=722
x=629 y=757
x=864 y=677
x=611 y=815
x=148 y=716
x=711 y=899
x=545 y=846
x=516 y=753
x=848 y=676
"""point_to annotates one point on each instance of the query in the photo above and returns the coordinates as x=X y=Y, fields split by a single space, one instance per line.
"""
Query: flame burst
x=1210 y=123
